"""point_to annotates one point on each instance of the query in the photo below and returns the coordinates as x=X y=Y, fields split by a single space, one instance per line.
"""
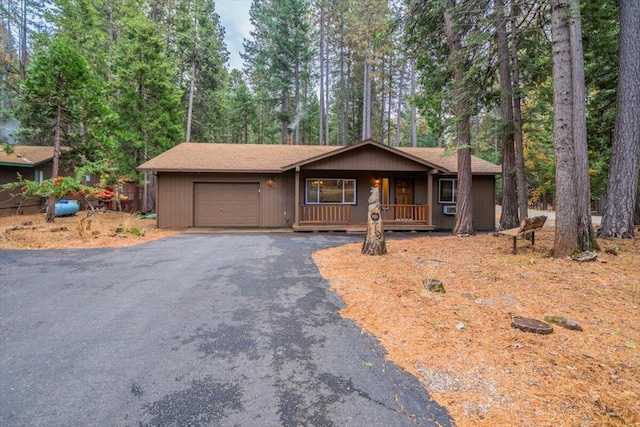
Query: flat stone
x=585 y=256
x=565 y=322
x=486 y=302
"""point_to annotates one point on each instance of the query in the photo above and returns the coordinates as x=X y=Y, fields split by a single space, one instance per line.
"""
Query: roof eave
x=17 y=165
x=188 y=170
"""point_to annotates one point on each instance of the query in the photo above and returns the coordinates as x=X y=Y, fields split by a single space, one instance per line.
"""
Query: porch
x=395 y=217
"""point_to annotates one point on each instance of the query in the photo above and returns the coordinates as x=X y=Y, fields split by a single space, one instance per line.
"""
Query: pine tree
x=144 y=96
x=574 y=230
x=56 y=91
x=277 y=57
x=622 y=190
x=202 y=55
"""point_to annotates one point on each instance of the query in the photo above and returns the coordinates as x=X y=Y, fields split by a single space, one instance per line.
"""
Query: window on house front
x=339 y=191
x=38 y=176
x=447 y=190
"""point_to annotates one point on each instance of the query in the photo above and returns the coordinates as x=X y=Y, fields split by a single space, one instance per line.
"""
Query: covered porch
x=331 y=191
x=405 y=217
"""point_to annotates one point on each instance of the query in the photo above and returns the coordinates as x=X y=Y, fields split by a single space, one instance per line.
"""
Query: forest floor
x=460 y=344
x=102 y=229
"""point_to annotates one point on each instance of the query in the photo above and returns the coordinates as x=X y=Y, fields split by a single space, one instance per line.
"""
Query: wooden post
x=374 y=243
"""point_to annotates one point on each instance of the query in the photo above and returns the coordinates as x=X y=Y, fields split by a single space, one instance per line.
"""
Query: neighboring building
x=309 y=188
x=32 y=163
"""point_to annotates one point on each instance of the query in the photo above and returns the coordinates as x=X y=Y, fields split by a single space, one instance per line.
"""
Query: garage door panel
x=226 y=204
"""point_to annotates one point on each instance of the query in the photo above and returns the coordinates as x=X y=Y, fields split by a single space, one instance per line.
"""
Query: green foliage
x=59 y=187
x=64 y=186
x=136 y=231
x=148 y=103
x=276 y=59
x=424 y=29
x=200 y=46
x=601 y=27
x=60 y=76
x=58 y=80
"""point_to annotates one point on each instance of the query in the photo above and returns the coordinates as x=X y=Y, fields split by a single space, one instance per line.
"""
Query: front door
x=404 y=198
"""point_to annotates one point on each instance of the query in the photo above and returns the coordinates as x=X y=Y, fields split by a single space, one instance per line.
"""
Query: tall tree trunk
x=366 y=101
x=622 y=189
x=572 y=232
x=347 y=101
x=297 y=101
x=566 y=197
x=321 y=56
x=464 y=204
x=382 y=103
x=284 y=131
x=327 y=79
x=23 y=41
x=414 y=130
x=509 y=215
x=192 y=84
x=521 y=178
x=586 y=235
x=51 y=201
x=399 y=108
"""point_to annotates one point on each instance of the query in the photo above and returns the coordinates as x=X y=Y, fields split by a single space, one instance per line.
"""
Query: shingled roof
x=260 y=158
x=26 y=155
x=449 y=161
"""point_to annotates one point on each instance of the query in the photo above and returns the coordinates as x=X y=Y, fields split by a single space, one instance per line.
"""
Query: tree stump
x=374 y=243
x=531 y=325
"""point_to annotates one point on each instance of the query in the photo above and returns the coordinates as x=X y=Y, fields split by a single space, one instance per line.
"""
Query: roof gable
x=366 y=155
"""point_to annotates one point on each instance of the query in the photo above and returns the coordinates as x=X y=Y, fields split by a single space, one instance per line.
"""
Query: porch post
x=430 y=196
x=296 y=198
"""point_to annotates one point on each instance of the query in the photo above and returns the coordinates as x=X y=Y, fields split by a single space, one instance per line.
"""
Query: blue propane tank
x=66 y=207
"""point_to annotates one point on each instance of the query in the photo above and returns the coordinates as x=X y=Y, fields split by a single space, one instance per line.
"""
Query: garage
x=226 y=204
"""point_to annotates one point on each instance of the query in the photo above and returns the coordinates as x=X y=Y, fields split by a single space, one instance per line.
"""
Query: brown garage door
x=226 y=204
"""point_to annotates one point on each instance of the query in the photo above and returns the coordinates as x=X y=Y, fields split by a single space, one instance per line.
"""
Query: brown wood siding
x=277 y=202
x=28 y=205
x=175 y=200
x=367 y=158
x=484 y=203
x=483 y=189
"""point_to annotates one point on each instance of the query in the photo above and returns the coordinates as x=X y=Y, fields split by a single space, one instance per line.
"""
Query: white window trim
x=318 y=202
x=454 y=185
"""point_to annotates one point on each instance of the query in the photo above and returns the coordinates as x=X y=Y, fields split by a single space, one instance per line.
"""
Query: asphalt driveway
x=230 y=330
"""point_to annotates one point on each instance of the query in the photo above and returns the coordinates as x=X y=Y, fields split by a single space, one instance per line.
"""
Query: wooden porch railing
x=325 y=214
x=400 y=213
x=341 y=214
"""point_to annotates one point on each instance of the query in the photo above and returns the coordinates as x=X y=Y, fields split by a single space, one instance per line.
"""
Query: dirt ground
x=101 y=229
x=460 y=344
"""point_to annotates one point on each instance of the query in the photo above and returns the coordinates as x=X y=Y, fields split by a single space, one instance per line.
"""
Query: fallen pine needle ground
x=101 y=229
x=461 y=345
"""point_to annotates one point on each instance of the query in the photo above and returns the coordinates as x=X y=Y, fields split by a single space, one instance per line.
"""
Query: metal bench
x=527 y=226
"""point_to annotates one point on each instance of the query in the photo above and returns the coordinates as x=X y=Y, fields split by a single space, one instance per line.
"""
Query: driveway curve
x=192 y=330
